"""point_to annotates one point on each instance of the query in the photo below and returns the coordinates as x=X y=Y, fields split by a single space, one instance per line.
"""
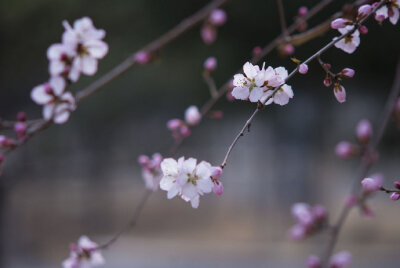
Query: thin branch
x=282 y=18
x=211 y=84
x=388 y=191
x=366 y=163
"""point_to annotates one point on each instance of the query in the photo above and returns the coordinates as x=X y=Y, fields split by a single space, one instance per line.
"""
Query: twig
x=365 y=163
x=282 y=18
x=211 y=84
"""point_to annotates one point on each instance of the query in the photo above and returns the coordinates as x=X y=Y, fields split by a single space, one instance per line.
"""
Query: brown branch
x=282 y=19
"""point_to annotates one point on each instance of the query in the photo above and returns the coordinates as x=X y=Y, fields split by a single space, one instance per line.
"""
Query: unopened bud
x=302 y=11
x=339 y=23
x=347 y=72
x=340 y=93
x=210 y=64
x=174 y=124
x=303 y=68
x=143 y=57
x=217 y=17
x=21 y=116
x=345 y=150
x=208 y=34
x=395 y=196
x=218 y=188
x=364 y=131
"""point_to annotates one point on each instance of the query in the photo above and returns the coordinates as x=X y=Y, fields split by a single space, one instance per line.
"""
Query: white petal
x=205 y=185
x=173 y=191
x=169 y=167
x=61 y=113
x=255 y=94
x=189 y=191
x=89 y=65
x=240 y=93
x=250 y=70
x=239 y=80
x=96 y=48
x=55 y=51
x=48 y=110
x=57 y=83
x=395 y=18
x=39 y=95
x=195 y=202
x=281 y=98
x=56 y=67
x=188 y=166
x=288 y=90
x=166 y=183
x=282 y=72
x=86 y=243
x=203 y=170
x=96 y=258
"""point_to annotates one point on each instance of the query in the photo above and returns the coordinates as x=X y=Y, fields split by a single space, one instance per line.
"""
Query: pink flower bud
x=218 y=188
x=351 y=201
x=217 y=17
x=210 y=64
x=302 y=11
x=216 y=172
x=288 y=50
x=174 y=124
x=396 y=184
x=157 y=159
x=313 y=262
x=340 y=260
x=192 y=115
x=20 y=128
x=303 y=214
x=371 y=185
x=143 y=160
x=363 y=29
x=340 y=93
x=347 y=72
x=345 y=150
x=185 y=131
x=297 y=232
x=395 y=196
x=257 y=51
x=339 y=23
x=208 y=34
x=229 y=96
x=327 y=81
x=143 y=57
x=364 y=131
x=303 y=68
x=364 y=10
x=379 y=17
x=1 y=158
x=21 y=116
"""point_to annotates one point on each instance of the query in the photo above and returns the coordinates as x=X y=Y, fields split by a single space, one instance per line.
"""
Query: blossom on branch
x=309 y=220
x=390 y=10
x=84 y=255
x=349 y=43
x=187 y=179
x=151 y=170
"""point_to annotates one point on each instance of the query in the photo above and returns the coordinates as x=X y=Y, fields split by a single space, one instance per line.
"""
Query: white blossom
x=84 y=255
x=349 y=43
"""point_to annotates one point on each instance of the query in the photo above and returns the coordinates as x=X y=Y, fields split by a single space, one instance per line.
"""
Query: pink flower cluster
x=79 y=51
x=209 y=31
x=256 y=85
x=151 y=170
x=395 y=195
x=181 y=129
x=339 y=260
x=346 y=150
x=309 y=220
x=189 y=180
x=390 y=10
x=84 y=255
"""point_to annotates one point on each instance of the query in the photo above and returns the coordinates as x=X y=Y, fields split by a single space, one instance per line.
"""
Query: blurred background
x=83 y=177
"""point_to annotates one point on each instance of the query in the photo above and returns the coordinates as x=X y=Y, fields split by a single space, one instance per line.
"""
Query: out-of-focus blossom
x=349 y=43
x=390 y=10
x=364 y=131
x=151 y=170
x=340 y=260
x=143 y=57
x=340 y=23
x=364 y=11
x=313 y=262
x=20 y=129
x=61 y=57
x=303 y=68
x=371 y=185
x=84 y=255
x=347 y=72
x=303 y=10
x=192 y=115
x=208 y=33
x=395 y=196
x=217 y=17
x=345 y=150
x=210 y=64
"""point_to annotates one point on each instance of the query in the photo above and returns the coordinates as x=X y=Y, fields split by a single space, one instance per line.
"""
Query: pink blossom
x=186 y=178
x=151 y=170
x=390 y=10
x=84 y=255
x=303 y=68
x=48 y=92
x=347 y=72
x=339 y=23
x=5 y=142
x=218 y=187
x=61 y=57
x=313 y=262
x=327 y=81
x=216 y=172
x=371 y=185
x=210 y=64
x=288 y=50
x=302 y=213
x=349 y=43
x=143 y=57
x=340 y=260
x=364 y=131
x=395 y=196
x=363 y=29
x=192 y=115
x=345 y=150
x=217 y=17
x=302 y=11
x=340 y=93
x=364 y=10
x=208 y=33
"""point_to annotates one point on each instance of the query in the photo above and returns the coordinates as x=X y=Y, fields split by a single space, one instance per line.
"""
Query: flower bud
x=302 y=11
x=174 y=124
x=297 y=232
x=257 y=51
x=347 y=72
x=1 y=158
x=395 y=196
x=143 y=57
x=20 y=128
x=192 y=115
x=340 y=93
x=288 y=50
x=328 y=81
x=313 y=262
x=364 y=131
x=340 y=260
x=208 y=34
x=371 y=185
x=364 y=10
x=302 y=213
x=143 y=160
x=396 y=184
x=217 y=17
x=210 y=64
x=185 y=131
x=216 y=172
x=218 y=188
x=320 y=213
x=339 y=23
x=21 y=116
x=303 y=68
x=345 y=150
x=363 y=29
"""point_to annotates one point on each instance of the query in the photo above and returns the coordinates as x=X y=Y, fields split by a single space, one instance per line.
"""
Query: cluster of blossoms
x=181 y=129
x=189 y=180
x=395 y=196
x=84 y=255
x=346 y=150
x=257 y=85
x=79 y=51
x=339 y=260
x=209 y=31
x=309 y=220
x=151 y=170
